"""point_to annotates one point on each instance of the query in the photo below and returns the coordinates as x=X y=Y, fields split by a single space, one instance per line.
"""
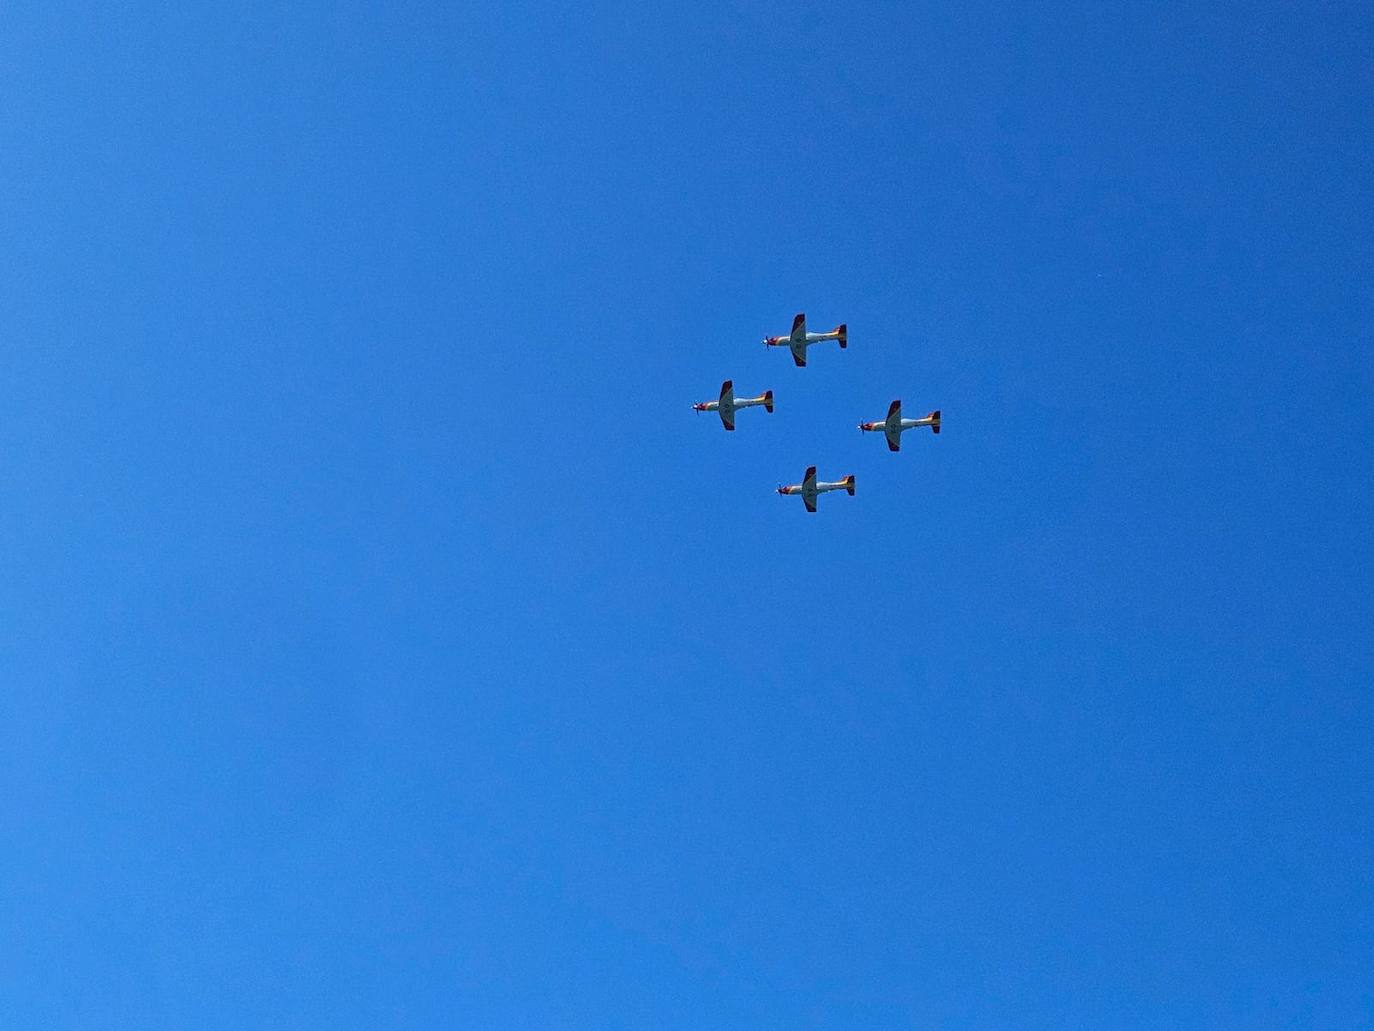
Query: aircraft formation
x=727 y=405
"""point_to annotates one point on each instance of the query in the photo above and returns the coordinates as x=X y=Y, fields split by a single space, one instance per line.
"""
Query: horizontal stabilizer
x=768 y=401
x=934 y=421
x=849 y=484
x=843 y=330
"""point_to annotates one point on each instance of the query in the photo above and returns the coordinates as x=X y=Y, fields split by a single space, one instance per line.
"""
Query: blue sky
x=385 y=643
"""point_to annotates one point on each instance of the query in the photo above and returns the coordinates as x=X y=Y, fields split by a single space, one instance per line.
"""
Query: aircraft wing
x=727 y=404
x=892 y=426
x=799 y=354
x=809 y=500
x=799 y=326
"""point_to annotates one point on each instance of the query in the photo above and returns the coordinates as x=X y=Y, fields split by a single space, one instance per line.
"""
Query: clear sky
x=384 y=643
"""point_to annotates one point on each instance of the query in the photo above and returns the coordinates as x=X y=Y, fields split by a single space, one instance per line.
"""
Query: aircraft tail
x=934 y=418
x=768 y=401
x=843 y=330
x=849 y=484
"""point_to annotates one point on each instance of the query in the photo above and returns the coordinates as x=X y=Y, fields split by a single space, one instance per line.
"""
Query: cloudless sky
x=384 y=643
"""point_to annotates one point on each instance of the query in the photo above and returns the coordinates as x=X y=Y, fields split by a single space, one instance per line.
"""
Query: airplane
x=799 y=339
x=729 y=403
x=894 y=425
x=809 y=488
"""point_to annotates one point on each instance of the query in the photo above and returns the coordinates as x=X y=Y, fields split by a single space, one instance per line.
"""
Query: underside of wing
x=799 y=326
x=727 y=416
x=892 y=426
x=809 y=500
x=799 y=354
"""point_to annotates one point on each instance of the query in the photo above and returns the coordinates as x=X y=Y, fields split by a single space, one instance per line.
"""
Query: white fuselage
x=802 y=341
x=750 y=402
x=819 y=487
x=739 y=402
x=900 y=425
